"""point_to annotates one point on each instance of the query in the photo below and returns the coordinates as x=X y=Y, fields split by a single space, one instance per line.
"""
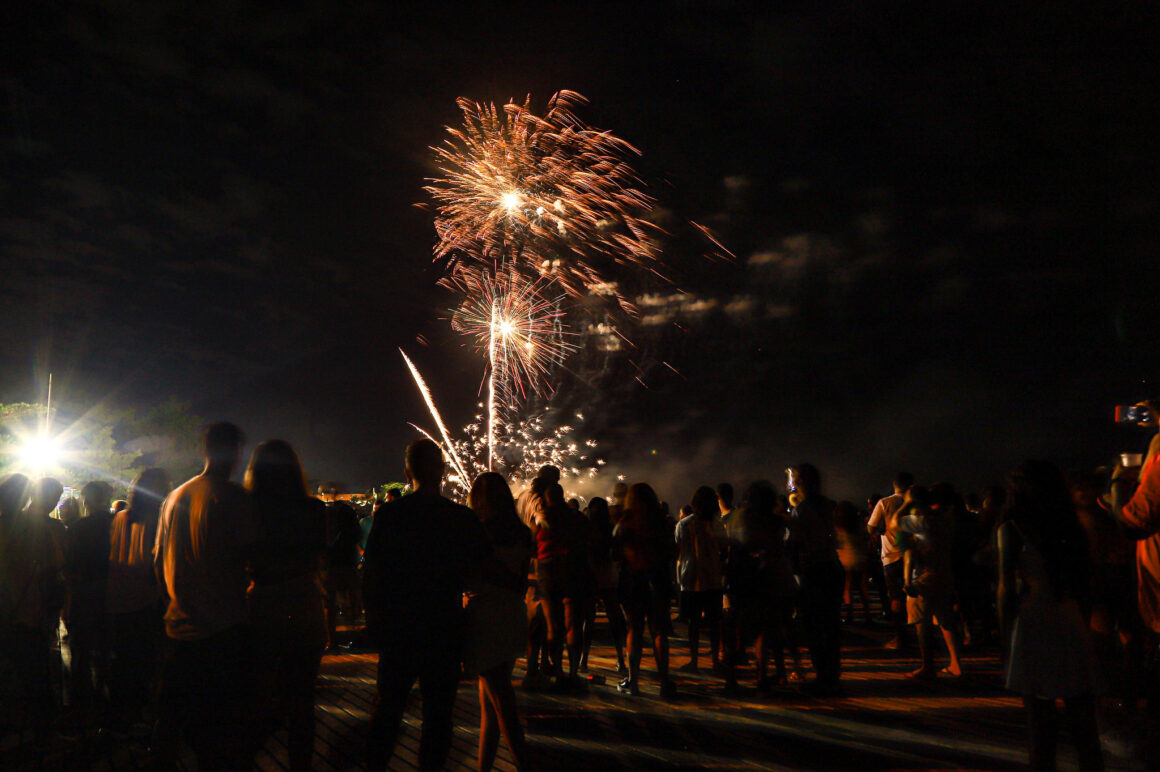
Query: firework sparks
x=449 y=447
x=547 y=195
x=518 y=327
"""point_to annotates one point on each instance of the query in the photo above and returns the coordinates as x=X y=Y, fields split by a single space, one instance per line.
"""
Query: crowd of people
x=201 y=614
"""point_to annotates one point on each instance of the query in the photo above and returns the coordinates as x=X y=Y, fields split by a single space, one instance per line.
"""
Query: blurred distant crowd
x=197 y=617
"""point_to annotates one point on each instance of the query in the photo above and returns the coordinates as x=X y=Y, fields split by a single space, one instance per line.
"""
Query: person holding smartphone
x=1136 y=503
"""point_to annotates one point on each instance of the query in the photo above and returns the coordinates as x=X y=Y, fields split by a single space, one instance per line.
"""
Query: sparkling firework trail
x=521 y=333
x=438 y=419
x=547 y=195
x=516 y=326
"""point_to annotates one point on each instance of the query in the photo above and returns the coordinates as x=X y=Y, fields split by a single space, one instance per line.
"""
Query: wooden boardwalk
x=884 y=721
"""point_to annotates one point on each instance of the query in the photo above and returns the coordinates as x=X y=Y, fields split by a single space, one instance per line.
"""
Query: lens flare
x=40 y=453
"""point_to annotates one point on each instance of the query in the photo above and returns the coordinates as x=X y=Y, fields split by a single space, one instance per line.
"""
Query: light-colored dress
x=497 y=628
x=1051 y=652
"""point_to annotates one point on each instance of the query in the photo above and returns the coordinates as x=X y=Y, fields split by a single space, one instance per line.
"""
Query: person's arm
x=1137 y=506
x=907 y=564
x=1010 y=543
x=159 y=548
x=876 y=525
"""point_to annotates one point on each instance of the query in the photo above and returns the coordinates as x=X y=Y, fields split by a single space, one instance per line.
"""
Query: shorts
x=937 y=606
x=892 y=573
x=647 y=595
x=704 y=604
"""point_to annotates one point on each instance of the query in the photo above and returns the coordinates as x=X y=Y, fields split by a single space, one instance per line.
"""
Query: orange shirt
x=1143 y=512
x=206 y=532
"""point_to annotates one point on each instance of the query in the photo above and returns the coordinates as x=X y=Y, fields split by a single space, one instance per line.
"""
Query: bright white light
x=40 y=453
x=510 y=201
x=506 y=327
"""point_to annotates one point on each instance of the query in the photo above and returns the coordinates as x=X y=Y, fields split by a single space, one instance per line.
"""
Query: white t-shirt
x=883 y=520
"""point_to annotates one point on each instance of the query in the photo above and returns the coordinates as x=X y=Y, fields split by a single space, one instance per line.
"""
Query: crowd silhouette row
x=201 y=614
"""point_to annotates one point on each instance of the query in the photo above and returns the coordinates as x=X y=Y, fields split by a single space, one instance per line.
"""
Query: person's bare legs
x=635 y=623
x=488 y=728
x=922 y=629
x=575 y=611
x=951 y=636
x=499 y=715
x=694 y=640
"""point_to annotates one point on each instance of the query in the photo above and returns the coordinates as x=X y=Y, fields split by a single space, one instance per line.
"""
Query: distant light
x=40 y=453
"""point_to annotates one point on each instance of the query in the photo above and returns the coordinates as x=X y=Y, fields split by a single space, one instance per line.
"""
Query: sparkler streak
x=438 y=419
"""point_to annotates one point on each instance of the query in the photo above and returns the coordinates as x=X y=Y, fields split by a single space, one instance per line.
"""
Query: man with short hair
x=86 y=573
x=46 y=493
x=814 y=544
x=422 y=551
x=206 y=532
x=884 y=522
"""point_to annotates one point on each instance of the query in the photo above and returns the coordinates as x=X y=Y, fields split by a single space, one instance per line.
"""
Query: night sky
x=944 y=222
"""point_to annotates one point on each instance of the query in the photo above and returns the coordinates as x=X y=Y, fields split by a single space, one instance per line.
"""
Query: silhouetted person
x=134 y=599
x=46 y=493
x=579 y=580
x=497 y=618
x=70 y=511
x=616 y=501
x=87 y=575
x=1050 y=653
x=815 y=547
x=1138 y=508
x=884 y=522
x=341 y=565
x=926 y=537
x=285 y=598
x=421 y=552
x=30 y=564
x=206 y=534
x=763 y=596
x=852 y=551
x=700 y=576
x=645 y=543
x=606 y=585
x=532 y=512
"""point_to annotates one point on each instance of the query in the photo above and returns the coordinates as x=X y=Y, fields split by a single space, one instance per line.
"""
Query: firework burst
x=517 y=326
x=545 y=195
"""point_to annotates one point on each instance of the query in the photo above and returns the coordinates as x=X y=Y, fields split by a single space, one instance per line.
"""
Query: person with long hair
x=699 y=575
x=577 y=578
x=286 y=595
x=606 y=580
x=497 y=619
x=1050 y=654
x=814 y=546
x=134 y=599
x=645 y=544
